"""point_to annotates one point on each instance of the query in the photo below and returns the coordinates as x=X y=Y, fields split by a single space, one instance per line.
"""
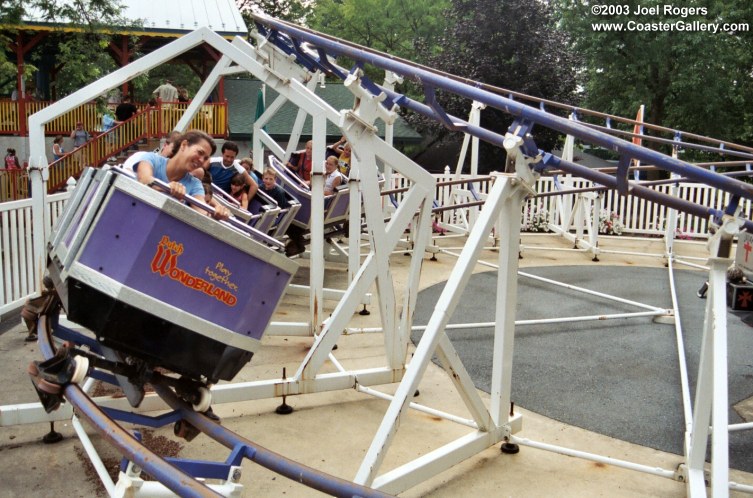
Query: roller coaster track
x=707 y=144
x=170 y=473
x=303 y=44
x=291 y=39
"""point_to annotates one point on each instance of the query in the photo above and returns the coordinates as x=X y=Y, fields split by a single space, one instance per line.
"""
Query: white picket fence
x=639 y=217
x=17 y=276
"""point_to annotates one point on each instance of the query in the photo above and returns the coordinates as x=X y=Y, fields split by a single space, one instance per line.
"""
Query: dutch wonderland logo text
x=165 y=263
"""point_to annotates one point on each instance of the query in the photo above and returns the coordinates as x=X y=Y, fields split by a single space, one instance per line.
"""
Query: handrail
x=211 y=118
x=149 y=122
x=96 y=151
x=246 y=229
x=14 y=184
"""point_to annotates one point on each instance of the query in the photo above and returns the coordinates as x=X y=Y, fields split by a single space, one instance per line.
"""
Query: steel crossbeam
x=275 y=61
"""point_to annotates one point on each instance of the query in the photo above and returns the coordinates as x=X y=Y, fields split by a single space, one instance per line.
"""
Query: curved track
x=170 y=475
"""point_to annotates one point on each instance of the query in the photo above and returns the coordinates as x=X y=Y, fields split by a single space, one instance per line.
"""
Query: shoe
x=49 y=394
x=211 y=415
x=702 y=291
x=32 y=337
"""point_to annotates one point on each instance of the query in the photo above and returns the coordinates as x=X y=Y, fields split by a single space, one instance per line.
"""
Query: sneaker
x=211 y=415
x=702 y=291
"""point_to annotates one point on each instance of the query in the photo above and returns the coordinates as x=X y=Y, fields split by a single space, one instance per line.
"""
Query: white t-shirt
x=133 y=160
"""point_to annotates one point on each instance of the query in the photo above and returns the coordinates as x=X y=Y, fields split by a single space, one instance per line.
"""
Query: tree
x=80 y=47
x=512 y=44
x=695 y=81
x=292 y=10
x=405 y=28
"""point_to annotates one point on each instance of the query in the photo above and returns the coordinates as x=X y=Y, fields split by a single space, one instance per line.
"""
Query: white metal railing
x=17 y=280
x=638 y=217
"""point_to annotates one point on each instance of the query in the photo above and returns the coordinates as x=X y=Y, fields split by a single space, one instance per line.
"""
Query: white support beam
x=506 y=305
x=316 y=299
x=426 y=347
x=463 y=382
x=434 y=462
x=704 y=396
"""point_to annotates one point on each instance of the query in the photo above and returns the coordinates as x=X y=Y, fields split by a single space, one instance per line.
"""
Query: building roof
x=170 y=18
x=241 y=95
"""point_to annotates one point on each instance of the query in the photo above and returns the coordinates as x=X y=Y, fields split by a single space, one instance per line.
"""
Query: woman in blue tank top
x=191 y=152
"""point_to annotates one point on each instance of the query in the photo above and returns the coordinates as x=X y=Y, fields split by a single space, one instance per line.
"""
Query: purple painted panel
x=119 y=235
x=265 y=223
x=339 y=206
x=82 y=208
x=304 y=214
x=175 y=263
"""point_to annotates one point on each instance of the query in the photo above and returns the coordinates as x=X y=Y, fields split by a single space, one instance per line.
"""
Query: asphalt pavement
x=619 y=378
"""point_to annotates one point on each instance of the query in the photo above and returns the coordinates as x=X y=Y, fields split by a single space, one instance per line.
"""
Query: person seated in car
x=189 y=153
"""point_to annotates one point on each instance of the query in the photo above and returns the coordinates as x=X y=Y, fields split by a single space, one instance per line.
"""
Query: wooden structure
x=153 y=24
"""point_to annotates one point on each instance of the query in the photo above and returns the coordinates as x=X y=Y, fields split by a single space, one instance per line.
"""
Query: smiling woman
x=190 y=152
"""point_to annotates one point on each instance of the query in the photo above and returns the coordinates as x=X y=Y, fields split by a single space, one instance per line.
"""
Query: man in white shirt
x=166 y=92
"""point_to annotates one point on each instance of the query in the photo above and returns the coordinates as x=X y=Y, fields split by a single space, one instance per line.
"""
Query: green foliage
x=405 y=28
x=695 y=81
x=402 y=28
x=291 y=10
x=180 y=74
x=78 y=43
x=82 y=64
x=512 y=44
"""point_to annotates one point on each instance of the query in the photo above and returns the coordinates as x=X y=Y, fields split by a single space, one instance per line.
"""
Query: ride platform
x=343 y=422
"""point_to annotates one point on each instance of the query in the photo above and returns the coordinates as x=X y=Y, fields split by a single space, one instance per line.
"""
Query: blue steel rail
x=721 y=147
x=295 y=48
x=291 y=38
x=178 y=474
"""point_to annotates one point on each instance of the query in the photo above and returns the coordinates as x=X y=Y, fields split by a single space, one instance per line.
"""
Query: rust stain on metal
x=316 y=309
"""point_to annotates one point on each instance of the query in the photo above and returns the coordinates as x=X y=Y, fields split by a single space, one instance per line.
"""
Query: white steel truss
x=490 y=424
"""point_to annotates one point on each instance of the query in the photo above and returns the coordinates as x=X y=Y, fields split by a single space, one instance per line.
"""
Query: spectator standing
x=182 y=95
x=57 y=148
x=79 y=135
x=125 y=109
x=109 y=121
x=11 y=159
x=166 y=92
